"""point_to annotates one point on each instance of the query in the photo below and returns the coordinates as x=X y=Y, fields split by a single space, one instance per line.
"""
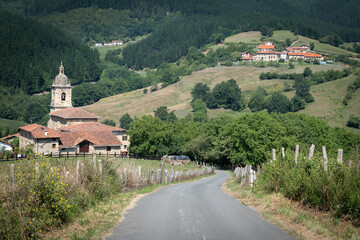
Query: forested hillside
x=30 y=55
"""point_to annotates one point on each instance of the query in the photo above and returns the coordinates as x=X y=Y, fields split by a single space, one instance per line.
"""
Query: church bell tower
x=60 y=91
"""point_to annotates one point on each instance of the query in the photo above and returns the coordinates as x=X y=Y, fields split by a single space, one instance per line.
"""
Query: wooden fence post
x=94 y=160
x=325 y=158
x=100 y=167
x=82 y=172
x=77 y=174
x=296 y=153
x=311 y=151
x=283 y=152
x=37 y=167
x=12 y=171
x=340 y=156
x=273 y=155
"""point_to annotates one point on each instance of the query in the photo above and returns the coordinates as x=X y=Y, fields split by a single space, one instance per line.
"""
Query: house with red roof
x=72 y=130
x=267 y=56
x=43 y=139
x=6 y=146
x=263 y=47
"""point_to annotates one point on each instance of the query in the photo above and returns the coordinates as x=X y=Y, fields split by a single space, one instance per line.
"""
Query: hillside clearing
x=246 y=37
x=177 y=97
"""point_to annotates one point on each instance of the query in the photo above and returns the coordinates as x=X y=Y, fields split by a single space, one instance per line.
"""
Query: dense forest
x=30 y=56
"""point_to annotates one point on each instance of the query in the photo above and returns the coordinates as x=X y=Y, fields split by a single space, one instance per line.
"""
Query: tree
x=161 y=113
x=171 y=117
x=227 y=95
x=200 y=111
x=297 y=103
x=258 y=101
x=279 y=103
x=312 y=46
x=151 y=136
x=109 y=122
x=307 y=72
x=125 y=121
x=200 y=91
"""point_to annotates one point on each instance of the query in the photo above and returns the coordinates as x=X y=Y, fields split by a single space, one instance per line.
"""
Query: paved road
x=194 y=210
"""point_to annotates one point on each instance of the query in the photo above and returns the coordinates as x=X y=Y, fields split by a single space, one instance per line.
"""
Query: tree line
x=245 y=140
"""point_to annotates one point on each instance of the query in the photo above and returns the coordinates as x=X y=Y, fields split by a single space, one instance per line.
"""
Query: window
x=54 y=146
x=125 y=138
x=108 y=149
x=125 y=146
x=63 y=97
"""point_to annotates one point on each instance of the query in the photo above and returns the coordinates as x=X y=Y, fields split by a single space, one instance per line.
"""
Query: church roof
x=39 y=131
x=61 y=79
x=89 y=126
x=73 y=113
x=98 y=138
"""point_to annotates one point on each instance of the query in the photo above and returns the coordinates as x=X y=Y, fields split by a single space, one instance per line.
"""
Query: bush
x=45 y=199
x=336 y=189
x=145 y=91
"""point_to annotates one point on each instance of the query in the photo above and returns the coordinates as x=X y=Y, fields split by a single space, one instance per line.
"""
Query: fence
x=131 y=178
x=247 y=175
x=14 y=157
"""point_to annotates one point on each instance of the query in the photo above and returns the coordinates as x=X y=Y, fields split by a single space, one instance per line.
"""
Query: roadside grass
x=99 y=222
x=246 y=37
x=297 y=219
x=177 y=97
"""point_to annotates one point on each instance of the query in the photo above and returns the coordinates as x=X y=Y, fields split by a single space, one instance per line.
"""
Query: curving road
x=194 y=210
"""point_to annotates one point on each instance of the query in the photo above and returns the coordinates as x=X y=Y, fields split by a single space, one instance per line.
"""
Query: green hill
x=177 y=97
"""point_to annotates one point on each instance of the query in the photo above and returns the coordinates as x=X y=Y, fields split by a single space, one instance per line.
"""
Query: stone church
x=71 y=129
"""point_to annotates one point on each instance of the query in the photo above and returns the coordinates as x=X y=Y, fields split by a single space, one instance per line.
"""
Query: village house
x=117 y=42
x=41 y=138
x=10 y=138
x=263 y=47
x=98 y=44
x=5 y=146
x=266 y=53
x=246 y=56
x=266 y=56
x=71 y=130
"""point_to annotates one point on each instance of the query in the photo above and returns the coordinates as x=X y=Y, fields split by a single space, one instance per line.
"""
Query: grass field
x=246 y=37
x=323 y=48
x=12 y=124
x=177 y=97
x=328 y=102
x=282 y=35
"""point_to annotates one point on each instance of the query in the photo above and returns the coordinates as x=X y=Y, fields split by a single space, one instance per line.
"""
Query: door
x=84 y=147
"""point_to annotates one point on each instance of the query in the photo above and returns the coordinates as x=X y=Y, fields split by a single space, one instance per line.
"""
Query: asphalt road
x=194 y=210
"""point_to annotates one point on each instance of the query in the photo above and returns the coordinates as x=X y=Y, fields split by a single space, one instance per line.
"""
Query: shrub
x=44 y=199
x=336 y=189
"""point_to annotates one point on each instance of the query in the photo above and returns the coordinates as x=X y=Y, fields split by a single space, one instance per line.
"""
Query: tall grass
x=49 y=193
x=336 y=190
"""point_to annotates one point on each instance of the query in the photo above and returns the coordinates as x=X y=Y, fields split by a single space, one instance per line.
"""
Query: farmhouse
x=263 y=47
x=266 y=53
x=71 y=129
x=267 y=56
x=246 y=56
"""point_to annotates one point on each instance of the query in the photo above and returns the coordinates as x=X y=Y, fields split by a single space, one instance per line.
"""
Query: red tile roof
x=10 y=136
x=312 y=55
x=102 y=138
x=73 y=113
x=296 y=54
x=261 y=46
x=39 y=131
x=89 y=126
x=269 y=52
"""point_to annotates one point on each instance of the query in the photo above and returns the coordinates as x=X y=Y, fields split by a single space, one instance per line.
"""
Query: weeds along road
x=194 y=210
